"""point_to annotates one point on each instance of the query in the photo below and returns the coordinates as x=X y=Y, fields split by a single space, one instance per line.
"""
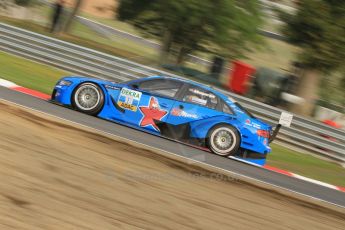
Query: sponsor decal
x=204 y=94
x=129 y=99
x=251 y=124
x=180 y=113
x=151 y=112
x=111 y=87
x=256 y=126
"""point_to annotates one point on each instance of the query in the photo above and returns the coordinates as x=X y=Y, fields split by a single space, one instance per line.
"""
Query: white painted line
x=244 y=161
x=314 y=181
x=7 y=84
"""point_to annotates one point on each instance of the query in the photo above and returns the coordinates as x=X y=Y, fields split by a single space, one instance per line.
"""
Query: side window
x=164 y=87
x=226 y=109
x=201 y=97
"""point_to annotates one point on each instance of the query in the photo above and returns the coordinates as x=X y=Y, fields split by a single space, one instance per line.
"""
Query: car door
x=150 y=102
x=195 y=103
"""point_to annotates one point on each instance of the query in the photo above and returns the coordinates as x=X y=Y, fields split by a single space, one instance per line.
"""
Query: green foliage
x=318 y=28
x=332 y=90
x=221 y=26
x=242 y=36
x=25 y=3
x=71 y=16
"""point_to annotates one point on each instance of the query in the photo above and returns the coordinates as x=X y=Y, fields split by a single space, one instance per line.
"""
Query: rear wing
x=285 y=120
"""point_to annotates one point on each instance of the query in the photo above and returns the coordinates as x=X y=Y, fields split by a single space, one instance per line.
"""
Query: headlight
x=64 y=83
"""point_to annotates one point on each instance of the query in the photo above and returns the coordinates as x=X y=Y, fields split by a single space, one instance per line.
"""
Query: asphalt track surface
x=259 y=174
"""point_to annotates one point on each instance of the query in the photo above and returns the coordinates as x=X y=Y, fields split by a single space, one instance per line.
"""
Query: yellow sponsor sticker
x=127 y=106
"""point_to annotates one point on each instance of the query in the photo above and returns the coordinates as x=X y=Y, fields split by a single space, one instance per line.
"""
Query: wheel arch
x=200 y=129
x=102 y=88
x=223 y=124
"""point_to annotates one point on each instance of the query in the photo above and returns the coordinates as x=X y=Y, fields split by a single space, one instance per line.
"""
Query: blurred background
x=271 y=55
x=289 y=54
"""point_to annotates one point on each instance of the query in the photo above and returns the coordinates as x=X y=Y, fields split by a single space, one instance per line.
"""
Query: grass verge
x=42 y=78
x=29 y=74
x=306 y=165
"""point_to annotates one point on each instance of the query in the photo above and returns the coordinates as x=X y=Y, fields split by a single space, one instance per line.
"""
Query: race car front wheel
x=88 y=98
x=223 y=140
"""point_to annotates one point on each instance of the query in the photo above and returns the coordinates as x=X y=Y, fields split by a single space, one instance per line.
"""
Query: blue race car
x=179 y=109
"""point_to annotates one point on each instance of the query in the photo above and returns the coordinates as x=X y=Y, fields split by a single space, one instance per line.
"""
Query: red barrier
x=240 y=76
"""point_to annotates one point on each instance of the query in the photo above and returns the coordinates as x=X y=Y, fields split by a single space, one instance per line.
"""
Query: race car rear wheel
x=223 y=140
x=88 y=98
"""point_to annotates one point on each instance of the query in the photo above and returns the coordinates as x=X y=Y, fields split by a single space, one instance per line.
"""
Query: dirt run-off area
x=54 y=175
x=99 y=8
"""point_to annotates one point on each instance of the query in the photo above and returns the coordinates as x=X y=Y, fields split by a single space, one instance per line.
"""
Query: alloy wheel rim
x=223 y=140
x=87 y=97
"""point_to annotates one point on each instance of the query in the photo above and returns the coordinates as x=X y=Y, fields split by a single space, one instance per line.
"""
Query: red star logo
x=151 y=112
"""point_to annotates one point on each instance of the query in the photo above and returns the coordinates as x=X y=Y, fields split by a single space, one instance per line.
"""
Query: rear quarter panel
x=200 y=128
x=249 y=139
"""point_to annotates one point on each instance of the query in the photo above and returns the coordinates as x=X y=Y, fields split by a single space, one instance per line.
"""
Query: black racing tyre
x=223 y=140
x=88 y=98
